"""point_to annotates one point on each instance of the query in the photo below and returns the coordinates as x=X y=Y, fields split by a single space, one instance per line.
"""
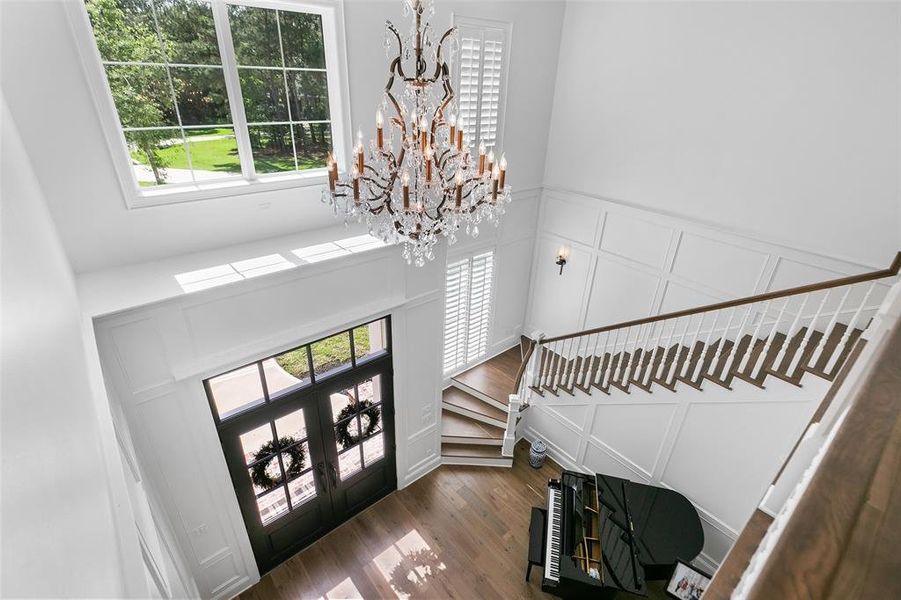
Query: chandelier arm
x=400 y=48
x=438 y=61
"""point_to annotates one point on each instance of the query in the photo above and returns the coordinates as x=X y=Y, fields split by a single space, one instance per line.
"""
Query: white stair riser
x=455 y=439
x=480 y=395
x=475 y=461
x=473 y=415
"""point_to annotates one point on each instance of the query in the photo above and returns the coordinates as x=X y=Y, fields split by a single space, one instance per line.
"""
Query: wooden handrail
x=891 y=271
x=522 y=366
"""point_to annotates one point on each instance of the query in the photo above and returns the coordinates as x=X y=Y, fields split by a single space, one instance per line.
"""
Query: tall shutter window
x=481 y=75
x=467 y=311
x=455 y=315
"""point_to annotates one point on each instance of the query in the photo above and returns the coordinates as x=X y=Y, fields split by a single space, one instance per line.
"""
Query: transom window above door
x=243 y=389
x=212 y=97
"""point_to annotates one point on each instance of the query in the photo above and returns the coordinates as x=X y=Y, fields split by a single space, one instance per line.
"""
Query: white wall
x=779 y=119
x=49 y=97
x=59 y=528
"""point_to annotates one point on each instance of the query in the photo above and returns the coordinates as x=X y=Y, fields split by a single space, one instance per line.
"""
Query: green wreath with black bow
x=370 y=417
x=295 y=460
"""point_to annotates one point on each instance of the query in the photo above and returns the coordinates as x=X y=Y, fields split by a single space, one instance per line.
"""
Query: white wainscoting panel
x=719 y=448
x=628 y=262
x=635 y=239
x=620 y=292
x=737 y=269
x=635 y=430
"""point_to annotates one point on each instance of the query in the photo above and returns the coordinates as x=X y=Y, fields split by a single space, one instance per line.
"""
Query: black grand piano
x=604 y=537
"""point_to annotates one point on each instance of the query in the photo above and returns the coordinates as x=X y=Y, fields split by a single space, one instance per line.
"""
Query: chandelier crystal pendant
x=418 y=180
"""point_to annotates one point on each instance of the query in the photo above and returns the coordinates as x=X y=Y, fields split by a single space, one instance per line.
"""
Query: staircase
x=788 y=334
x=475 y=410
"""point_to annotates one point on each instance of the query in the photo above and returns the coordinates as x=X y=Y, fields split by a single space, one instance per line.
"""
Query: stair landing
x=492 y=380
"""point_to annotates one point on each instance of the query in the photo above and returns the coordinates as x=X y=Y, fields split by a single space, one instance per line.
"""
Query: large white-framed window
x=469 y=287
x=208 y=98
x=481 y=75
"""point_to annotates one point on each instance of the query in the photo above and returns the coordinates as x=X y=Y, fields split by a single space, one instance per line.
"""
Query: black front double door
x=305 y=463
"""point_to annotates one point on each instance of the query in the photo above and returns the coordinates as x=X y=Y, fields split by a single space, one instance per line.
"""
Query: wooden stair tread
x=460 y=426
x=496 y=377
x=457 y=397
x=471 y=451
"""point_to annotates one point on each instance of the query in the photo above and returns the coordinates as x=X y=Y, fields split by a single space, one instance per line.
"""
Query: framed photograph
x=687 y=582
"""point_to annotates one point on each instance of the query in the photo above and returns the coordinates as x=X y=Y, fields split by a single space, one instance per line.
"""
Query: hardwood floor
x=459 y=532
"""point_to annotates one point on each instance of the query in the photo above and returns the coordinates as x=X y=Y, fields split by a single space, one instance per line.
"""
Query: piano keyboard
x=554 y=534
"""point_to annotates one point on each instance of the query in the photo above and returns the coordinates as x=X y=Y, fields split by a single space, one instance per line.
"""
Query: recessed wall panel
x=573 y=220
x=726 y=267
x=619 y=293
x=635 y=239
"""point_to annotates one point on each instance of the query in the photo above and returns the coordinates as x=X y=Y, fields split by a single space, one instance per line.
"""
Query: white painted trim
x=480 y=395
x=472 y=415
x=751 y=236
x=476 y=461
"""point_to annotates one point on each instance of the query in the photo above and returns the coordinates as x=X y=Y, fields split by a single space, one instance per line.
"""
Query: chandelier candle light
x=430 y=186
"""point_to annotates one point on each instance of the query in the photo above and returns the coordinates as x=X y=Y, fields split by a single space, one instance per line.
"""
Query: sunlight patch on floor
x=408 y=564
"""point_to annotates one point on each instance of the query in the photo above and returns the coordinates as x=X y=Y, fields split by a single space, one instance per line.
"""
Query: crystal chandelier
x=418 y=180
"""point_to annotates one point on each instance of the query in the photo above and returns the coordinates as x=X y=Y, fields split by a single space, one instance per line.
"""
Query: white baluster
x=573 y=367
x=697 y=371
x=627 y=376
x=659 y=325
x=610 y=363
x=829 y=328
x=561 y=363
x=796 y=359
x=722 y=342
x=599 y=373
x=639 y=375
x=590 y=350
x=851 y=324
x=692 y=342
x=669 y=341
x=790 y=334
x=754 y=336
x=670 y=378
x=622 y=357
x=539 y=363
x=741 y=332
x=755 y=370
x=546 y=369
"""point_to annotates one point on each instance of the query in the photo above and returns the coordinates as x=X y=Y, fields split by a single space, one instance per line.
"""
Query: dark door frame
x=314 y=395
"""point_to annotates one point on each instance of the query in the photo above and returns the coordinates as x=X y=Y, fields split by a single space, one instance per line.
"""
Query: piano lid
x=665 y=524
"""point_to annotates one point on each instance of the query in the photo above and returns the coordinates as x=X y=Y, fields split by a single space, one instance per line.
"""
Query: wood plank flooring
x=459 y=532
x=495 y=377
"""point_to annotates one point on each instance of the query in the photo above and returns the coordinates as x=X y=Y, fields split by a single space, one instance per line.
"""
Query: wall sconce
x=562 y=255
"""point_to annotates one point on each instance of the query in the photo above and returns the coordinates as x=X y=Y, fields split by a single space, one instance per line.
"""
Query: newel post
x=510 y=431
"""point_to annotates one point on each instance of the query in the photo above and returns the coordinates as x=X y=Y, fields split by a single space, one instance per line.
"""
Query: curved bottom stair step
x=471 y=454
x=459 y=429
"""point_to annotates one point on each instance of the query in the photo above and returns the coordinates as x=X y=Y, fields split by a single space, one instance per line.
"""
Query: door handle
x=320 y=469
x=334 y=475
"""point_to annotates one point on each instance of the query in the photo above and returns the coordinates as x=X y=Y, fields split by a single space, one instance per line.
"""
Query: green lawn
x=221 y=155
x=327 y=354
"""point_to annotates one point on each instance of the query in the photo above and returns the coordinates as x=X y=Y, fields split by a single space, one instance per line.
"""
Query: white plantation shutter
x=482 y=270
x=480 y=76
x=470 y=71
x=467 y=310
x=489 y=102
x=456 y=304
